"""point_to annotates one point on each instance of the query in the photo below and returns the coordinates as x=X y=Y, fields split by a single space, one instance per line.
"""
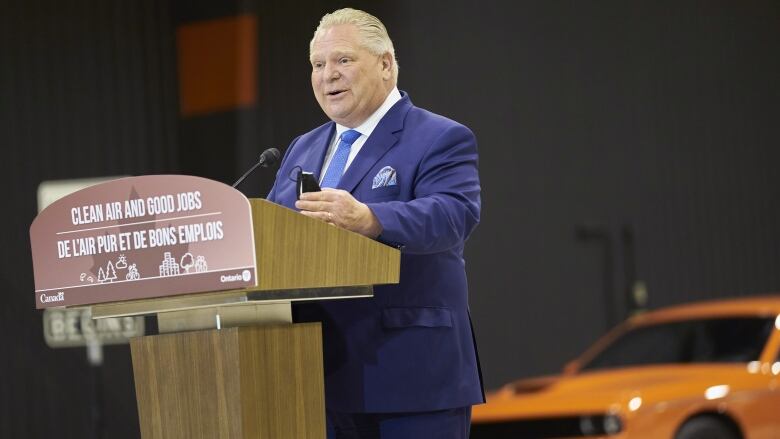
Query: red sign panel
x=142 y=237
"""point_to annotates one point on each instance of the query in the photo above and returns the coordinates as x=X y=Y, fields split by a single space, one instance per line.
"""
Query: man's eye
x=317 y=65
x=344 y=60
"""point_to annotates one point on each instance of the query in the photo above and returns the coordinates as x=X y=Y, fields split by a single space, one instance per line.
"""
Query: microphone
x=269 y=157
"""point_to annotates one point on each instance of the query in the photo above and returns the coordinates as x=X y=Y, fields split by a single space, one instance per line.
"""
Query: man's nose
x=332 y=72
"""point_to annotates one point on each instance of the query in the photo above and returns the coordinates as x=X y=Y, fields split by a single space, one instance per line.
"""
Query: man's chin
x=340 y=117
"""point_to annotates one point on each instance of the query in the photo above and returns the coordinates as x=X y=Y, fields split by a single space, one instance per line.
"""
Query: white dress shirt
x=365 y=129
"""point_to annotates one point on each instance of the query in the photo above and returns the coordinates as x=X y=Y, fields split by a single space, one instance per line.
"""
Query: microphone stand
x=246 y=174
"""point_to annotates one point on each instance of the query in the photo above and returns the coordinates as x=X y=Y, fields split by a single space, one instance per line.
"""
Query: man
x=402 y=364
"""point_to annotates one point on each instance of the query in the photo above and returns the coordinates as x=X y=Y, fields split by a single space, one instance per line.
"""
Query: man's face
x=349 y=82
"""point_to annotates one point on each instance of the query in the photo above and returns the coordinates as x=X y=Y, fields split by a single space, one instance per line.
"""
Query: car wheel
x=706 y=427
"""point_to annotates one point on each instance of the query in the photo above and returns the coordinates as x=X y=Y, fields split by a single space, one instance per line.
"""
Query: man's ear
x=387 y=66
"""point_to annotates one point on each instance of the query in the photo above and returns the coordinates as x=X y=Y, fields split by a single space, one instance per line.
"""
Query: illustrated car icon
x=709 y=370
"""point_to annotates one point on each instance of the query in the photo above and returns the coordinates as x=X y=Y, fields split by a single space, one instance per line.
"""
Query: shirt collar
x=367 y=127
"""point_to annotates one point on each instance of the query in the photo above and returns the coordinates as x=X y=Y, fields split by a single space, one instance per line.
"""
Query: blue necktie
x=339 y=160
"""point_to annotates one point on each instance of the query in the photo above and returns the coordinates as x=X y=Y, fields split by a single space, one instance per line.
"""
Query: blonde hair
x=373 y=34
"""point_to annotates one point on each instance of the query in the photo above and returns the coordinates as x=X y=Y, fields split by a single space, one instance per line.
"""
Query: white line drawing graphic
x=228 y=270
x=83 y=277
x=132 y=273
x=121 y=262
x=201 y=265
x=187 y=261
x=110 y=272
x=101 y=275
x=169 y=267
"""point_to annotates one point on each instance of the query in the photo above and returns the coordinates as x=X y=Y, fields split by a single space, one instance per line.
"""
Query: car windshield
x=717 y=340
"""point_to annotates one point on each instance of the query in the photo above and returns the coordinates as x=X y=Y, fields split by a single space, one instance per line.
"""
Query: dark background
x=657 y=117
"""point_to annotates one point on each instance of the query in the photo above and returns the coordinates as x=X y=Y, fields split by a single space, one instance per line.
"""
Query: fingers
x=313 y=206
x=326 y=200
x=317 y=201
x=340 y=208
x=327 y=194
x=324 y=216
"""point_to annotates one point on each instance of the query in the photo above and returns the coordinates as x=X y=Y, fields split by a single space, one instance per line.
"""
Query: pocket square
x=385 y=177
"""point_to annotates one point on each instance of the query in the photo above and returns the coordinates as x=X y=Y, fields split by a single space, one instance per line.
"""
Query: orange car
x=701 y=371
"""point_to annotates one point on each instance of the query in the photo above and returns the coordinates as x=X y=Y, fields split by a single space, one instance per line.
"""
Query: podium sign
x=142 y=237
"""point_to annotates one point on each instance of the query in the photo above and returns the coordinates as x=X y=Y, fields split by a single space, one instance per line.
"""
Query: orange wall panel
x=217 y=62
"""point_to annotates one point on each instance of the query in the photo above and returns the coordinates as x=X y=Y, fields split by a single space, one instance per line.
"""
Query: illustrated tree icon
x=187 y=261
x=101 y=275
x=110 y=272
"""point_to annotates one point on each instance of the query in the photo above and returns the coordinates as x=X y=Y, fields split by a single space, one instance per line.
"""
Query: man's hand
x=340 y=208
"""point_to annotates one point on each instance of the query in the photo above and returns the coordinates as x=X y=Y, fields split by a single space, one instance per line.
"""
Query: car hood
x=603 y=391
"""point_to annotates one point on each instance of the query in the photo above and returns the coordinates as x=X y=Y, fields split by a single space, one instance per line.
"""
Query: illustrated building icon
x=201 y=265
x=169 y=266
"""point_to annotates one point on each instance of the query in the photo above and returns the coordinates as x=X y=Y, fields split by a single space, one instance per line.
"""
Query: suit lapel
x=382 y=139
x=319 y=146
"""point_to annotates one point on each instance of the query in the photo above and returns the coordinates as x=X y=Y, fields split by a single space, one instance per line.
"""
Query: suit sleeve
x=272 y=194
x=446 y=204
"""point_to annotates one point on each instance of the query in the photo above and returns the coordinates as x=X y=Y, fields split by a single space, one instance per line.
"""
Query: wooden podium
x=231 y=364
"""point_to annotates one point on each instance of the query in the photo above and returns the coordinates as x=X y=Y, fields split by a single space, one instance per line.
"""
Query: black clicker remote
x=306 y=183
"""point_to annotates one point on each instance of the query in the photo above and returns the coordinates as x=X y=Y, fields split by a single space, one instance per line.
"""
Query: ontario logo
x=238 y=277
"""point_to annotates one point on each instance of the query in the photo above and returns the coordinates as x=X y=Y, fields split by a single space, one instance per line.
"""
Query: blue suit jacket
x=410 y=347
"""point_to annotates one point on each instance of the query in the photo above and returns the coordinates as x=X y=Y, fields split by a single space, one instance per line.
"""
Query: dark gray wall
x=662 y=115
x=659 y=115
x=86 y=90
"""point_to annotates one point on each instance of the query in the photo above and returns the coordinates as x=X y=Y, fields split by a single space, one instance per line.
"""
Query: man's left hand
x=340 y=208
